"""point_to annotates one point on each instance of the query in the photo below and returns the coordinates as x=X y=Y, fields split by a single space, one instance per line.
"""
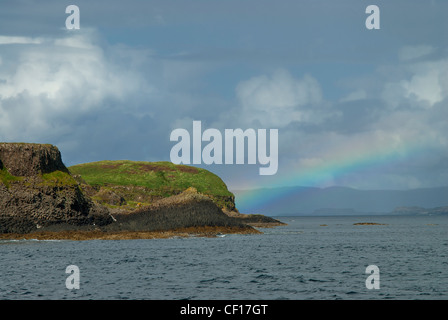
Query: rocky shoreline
x=369 y=224
x=79 y=235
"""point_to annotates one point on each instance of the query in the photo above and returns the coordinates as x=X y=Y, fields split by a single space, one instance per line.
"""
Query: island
x=40 y=198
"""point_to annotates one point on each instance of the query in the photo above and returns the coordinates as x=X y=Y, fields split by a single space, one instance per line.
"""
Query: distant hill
x=336 y=200
x=421 y=211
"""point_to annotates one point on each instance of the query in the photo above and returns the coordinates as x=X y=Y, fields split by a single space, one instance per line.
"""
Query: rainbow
x=349 y=163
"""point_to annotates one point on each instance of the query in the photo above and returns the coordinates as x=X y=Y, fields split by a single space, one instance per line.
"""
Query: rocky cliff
x=37 y=190
x=28 y=159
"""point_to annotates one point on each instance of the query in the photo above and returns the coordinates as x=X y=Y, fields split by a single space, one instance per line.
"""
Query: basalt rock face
x=27 y=159
x=185 y=210
x=37 y=191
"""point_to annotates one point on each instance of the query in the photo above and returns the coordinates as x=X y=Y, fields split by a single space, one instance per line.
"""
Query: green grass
x=58 y=178
x=164 y=178
x=6 y=178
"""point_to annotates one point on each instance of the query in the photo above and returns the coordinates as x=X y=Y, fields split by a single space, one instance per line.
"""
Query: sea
x=310 y=258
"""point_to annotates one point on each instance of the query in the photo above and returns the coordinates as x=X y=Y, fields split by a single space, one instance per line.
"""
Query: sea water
x=310 y=258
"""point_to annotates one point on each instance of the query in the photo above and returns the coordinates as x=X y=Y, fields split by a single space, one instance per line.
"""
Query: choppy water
x=304 y=260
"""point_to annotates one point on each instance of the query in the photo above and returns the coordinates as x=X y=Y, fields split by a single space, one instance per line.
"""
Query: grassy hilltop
x=129 y=184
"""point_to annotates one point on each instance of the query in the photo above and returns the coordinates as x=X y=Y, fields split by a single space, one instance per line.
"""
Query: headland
x=40 y=198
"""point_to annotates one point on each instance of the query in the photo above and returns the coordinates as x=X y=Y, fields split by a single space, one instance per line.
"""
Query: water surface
x=310 y=258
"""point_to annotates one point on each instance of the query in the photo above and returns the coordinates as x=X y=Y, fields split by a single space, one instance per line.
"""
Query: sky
x=354 y=107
